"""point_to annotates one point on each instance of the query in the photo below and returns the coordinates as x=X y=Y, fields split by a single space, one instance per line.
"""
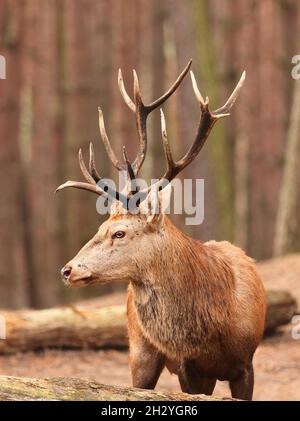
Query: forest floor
x=276 y=362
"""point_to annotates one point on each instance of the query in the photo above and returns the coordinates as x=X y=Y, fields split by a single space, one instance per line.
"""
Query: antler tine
x=92 y=165
x=197 y=92
x=139 y=109
x=124 y=94
x=158 y=102
x=167 y=150
x=128 y=165
x=231 y=100
x=136 y=90
x=130 y=173
x=141 y=120
x=84 y=170
x=107 y=144
x=80 y=185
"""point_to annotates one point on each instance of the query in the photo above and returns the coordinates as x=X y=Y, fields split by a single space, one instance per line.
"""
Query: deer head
x=130 y=242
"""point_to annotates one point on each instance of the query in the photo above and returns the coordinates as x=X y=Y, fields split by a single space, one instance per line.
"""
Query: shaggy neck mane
x=184 y=264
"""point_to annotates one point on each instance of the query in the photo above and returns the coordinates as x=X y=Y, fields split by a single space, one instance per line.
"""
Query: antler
x=94 y=182
x=207 y=121
x=141 y=111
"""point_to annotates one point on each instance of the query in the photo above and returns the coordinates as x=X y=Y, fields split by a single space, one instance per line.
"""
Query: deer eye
x=119 y=234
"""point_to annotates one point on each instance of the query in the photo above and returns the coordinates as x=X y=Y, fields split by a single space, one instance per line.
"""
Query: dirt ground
x=276 y=362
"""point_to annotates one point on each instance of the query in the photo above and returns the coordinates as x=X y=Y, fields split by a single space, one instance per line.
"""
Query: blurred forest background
x=62 y=58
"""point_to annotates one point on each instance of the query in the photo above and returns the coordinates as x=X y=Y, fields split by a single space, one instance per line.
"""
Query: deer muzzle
x=75 y=273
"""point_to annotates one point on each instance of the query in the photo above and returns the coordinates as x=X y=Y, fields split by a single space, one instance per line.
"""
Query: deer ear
x=155 y=218
x=117 y=208
x=155 y=205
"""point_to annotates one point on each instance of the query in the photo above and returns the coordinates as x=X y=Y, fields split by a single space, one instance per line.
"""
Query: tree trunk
x=42 y=158
x=80 y=120
x=243 y=29
x=125 y=55
x=289 y=188
x=13 y=268
x=69 y=389
x=216 y=146
x=183 y=121
x=268 y=143
x=88 y=327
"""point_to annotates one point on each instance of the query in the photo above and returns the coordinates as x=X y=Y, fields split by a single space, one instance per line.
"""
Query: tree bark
x=42 y=146
x=80 y=119
x=90 y=327
x=242 y=31
x=265 y=165
x=216 y=146
x=289 y=187
x=68 y=389
x=13 y=268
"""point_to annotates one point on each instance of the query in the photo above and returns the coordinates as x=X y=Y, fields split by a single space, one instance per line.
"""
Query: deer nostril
x=66 y=272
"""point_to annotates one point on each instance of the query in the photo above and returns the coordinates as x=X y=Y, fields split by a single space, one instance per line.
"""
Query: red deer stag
x=196 y=308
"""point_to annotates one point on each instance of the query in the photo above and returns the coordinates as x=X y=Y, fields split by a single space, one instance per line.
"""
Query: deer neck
x=174 y=264
x=178 y=299
x=166 y=293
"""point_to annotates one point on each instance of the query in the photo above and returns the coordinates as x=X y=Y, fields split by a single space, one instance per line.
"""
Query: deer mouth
x=83 y=279
x=79 y=280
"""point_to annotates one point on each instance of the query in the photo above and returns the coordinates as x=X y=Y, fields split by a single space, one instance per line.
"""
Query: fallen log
x=66 y=327
x=69 y=389
x=281 y=307
x=83 y=327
